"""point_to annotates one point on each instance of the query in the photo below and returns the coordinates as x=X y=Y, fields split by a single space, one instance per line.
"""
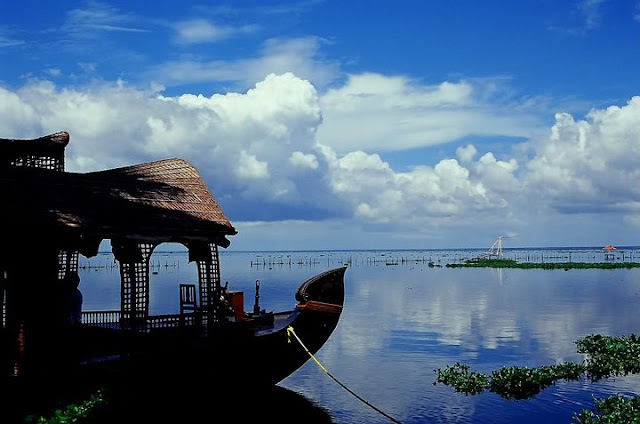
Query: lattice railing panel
x=3 y=297
x=134 y=276
x=210 y=288
x=67 y=262
x=55 y=163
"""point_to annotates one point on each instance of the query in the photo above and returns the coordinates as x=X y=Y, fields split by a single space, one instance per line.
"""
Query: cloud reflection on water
x=402 y=321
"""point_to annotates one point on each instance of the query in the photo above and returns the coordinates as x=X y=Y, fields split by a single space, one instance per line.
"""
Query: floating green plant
x=462 y=380
x=72 y=413
x=609 y=356
x=617 y=409
x=524 y=382
x=606 y=356
x=508 y=382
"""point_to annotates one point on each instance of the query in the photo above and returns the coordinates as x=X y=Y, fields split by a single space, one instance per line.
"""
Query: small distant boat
x=494 y=252
x=609 y=251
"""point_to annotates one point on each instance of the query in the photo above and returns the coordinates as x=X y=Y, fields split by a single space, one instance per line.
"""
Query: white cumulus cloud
x=198 y=31
x=590 y=164
x=265 y=147
x=387 y=113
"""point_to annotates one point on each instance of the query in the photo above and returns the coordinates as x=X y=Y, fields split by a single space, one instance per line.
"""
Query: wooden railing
x=113 y=319
x=3 y=298
x=170 y=321
x=101 y=317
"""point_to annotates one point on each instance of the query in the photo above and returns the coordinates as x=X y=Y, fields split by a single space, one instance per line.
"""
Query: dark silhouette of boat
x=51 y=216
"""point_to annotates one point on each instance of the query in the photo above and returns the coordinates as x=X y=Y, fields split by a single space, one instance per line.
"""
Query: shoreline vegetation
x=511 y=263
x=551 y=258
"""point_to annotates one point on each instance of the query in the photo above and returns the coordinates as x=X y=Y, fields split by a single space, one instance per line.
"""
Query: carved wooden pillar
x=3 y=297
x=67 y=262
x=134 y=280
x=206 y=256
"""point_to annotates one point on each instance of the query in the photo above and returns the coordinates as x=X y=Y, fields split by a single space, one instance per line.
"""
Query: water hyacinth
x=524 y=382
x=606 y=356
x=462 y=380
x=73 y=413
x=614 y=409
x=508 y=382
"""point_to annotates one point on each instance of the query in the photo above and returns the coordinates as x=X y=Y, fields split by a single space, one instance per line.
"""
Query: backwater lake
x=406 y=314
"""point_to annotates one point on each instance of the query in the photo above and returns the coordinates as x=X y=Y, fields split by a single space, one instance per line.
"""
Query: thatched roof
x=42 y=152
x=161 y=201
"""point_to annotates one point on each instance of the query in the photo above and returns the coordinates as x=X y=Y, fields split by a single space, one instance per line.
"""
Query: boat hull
x=243 y=355
x=245 y=352
x=235 y=356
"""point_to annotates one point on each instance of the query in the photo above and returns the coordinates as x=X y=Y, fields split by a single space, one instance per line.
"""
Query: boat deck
x=113 y=320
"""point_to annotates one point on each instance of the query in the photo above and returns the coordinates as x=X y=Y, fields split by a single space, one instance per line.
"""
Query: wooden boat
x=251 y=348
x=52 y=216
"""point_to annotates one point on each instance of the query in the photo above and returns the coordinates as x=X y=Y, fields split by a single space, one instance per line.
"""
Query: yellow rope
x=290 y=331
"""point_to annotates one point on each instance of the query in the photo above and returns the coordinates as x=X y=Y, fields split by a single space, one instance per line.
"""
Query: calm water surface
x=404 y=318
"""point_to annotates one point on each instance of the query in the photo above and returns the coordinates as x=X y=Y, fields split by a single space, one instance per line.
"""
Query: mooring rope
x=291 y=331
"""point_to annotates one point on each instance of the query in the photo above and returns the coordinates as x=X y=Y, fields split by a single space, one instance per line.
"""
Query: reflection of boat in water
x=53 y=216
x=275 y=405
x=192 y=404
